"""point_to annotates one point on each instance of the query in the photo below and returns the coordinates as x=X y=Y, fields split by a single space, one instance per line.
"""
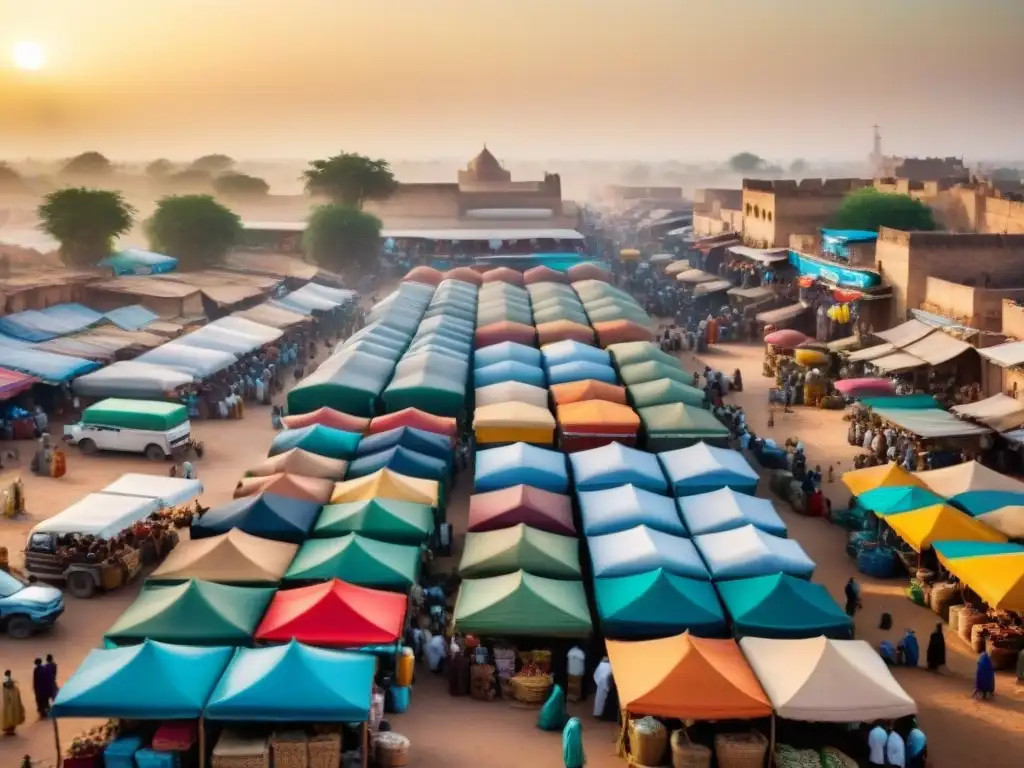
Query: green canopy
x=918 y=401
x=665 y=392
x=677 y=425
x=658 y=604
x=192 y=613
x=428 y=390
x=652 y=370
x=783 y=607
x=632 y=352
x=519 y=604
x=357 y=560
x=398 y=522
x=551 y=313
x=150 y=415
x=349 y=381
x=618 y=312
x=520 y=548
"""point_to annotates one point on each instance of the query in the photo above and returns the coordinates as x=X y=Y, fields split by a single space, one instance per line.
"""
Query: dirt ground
x=451 y=732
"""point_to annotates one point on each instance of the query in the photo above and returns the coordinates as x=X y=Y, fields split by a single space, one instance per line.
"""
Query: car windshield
x=9 y=585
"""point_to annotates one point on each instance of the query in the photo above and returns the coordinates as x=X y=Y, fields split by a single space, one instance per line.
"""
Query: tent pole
x=202 y=743
x=56 y=742
x=366 y=744
x=771 y=742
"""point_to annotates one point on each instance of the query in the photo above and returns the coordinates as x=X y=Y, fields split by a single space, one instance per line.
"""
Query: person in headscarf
x=602 y=682
x=553 y=716
x=911 y=649
x=13 y=711
x=984 y=677
x=437 y=649
x=41 y=688
x=852 y=597
x=936 y=654
x=188 y=471
x=572 y=744
x=917 y=747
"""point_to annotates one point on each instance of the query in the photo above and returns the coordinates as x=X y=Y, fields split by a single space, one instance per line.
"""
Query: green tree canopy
x=195 y=229
x=1005 y=174
x=88 y=164
x=350 y=179
x=159 y=168
x=341 y=238
x=213 y=164
x=798 y=166
x=746 y=162
x=189 y=180
x=85 y=222
x=240 y=185
x=869 y=209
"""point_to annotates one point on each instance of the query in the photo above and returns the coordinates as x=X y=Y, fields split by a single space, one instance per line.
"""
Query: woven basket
x=741 y=750
x=233 y=752
x=954 y=617
x=968 y=618
x=531 y=690
x=648 y=740
x=290 y=749
x=1002 y=657
x=686 y=754
x=325 y=750
x=392 y=750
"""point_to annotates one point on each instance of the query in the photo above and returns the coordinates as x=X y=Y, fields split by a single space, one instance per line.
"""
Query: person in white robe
x=602 y=683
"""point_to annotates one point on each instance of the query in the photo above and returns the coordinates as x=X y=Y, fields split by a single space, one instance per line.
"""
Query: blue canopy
x=783 y=607
x=133 y=318
x=404 y=461
x=656 y=604
x=983 y=502
x=151 y=681
x=133 y=261
x=506 y=351
x=318 y=439
x=581 y=370
x=44 y=324
x=520 y=464
x=725 y=509
x=509 y=370
x=419 y=440
x=45 y=366
x=266 y=515
x=616 y=464
x=570 y=351
x=701 y=467
x=639 y=549
x=625 y=506
x=293 y=683
x=312 y=297
x=743 y=553
x=195 y=361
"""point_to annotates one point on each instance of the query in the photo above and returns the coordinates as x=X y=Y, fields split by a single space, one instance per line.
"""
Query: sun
x=28 y=57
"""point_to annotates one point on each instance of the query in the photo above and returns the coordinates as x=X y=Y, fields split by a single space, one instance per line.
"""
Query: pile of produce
x=790 y=757
x=91 y=743
x=182 y=516
x=833 y=758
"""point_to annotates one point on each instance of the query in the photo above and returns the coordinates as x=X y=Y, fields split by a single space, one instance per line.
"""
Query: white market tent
x=871 y=353
x=641 y=549
x=967 y=477
x=264 y=333
x=132 y=379
x=167 y=491
x=906 y=333
x=198 y=362
x=930 y=422
x=999 y=412
x=617 y=509
x=512 y=392
x=746 y=552
x=782 y=314
x=695 y=276
x=724 y=509
x=897 y=362
x=937 y=348
x=711 y=286
x=101 y=514
x=826 y=681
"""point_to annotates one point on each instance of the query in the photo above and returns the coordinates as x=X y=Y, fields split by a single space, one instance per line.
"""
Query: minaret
x=876 y=157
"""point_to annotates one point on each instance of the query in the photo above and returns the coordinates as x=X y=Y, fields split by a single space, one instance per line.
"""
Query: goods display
x=91 y=743
x=236 y=751
x=789 y=757
x=290 y=749
x=392 y=750
x=648 y=740
x=833 y=758
x=687 y=754
x=531 y=686
x=740 y=750
x=325 y=750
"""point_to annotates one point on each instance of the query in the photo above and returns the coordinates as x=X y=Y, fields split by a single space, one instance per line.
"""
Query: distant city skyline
x=690 y=80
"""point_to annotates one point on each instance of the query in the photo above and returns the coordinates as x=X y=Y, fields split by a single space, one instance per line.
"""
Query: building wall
x=969 y=305
x=775 y=210
x=710 y=225
x=1013 y=319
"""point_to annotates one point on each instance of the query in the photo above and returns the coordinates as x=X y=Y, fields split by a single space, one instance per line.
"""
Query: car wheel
x=81 y=585
x=87 y=447
x=20 y=627
x=155 y=453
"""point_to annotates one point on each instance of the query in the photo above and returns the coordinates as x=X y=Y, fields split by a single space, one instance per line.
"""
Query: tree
x=213 y=164
x=189 y=180
x=10 y=179
x=85 y=222
x=88 y=164
x=240 y=185
x=342 y=238
x=798 y=166
x=159 y=168
x=1005 y=174
x=350 y=179
x=869 y=209
x=195 y=229
x=746 y=162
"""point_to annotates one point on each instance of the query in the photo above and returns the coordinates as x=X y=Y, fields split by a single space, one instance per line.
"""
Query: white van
x=156 y=429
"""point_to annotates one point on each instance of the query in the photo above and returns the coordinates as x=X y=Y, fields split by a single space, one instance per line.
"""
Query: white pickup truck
x=156 y=429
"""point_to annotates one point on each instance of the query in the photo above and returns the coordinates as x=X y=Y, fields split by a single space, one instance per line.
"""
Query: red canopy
x=329 y=418
x=334 y=614
x=414 y=417
x=427 y=275
x=13 y=383
x=503 y=275
x=544 y=274
x=621 y=331
x=505 y=330
x=525 y=504
x=787 y=338
x=465 y=274
x=588 y=271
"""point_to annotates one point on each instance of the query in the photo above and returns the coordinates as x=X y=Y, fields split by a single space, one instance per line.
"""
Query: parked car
x=156 y=429
x=27 y=608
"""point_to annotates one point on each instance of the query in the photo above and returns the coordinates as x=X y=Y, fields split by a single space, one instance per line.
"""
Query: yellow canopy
x=513 y=422
x=629 y=254
x=860 y=481
x=385 y=484
x=939 y=522
x=997 y=579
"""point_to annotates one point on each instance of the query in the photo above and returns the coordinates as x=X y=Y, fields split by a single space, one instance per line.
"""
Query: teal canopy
x=783 y=607
x=915 y=402
x=898 y=498
x=319 y=439
x=293 y=683
x=657 y=604
x=404 y=461
x=151 y=681
x=982 y=502
x=953 y=550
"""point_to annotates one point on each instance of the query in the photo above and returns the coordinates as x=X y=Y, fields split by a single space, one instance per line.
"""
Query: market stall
x=860 y=481
x=570 y=351
x=939 y=522
x=657 y=603
x=315 y=489
x=522 y=605
x=318 y=439
x=622 y=507
x=404 y=461
x=665 y=391
x=427 y=442
x=701 y=468
x=619 y=331
x=639 y=549
x=579 y=391
x=580 y=370
x=520 y=464
x=633 y=352
x=519 y=548
x=329 y=417
x=513 y=422
x=745 y=552
x=509 y=370
x=234 y=557
x=992 y=570
x=441 y=391
x=511 y=392
x=555 y=331
x=616 y=464
x=348 y=381
x=521 y=504
x=782 y=606
x=505 y=330
x=390 y=520
x=387 y=484
x=652 y=370
x=357 y=560
x=591 y=424
x=725 y=509
x=297 y=461
x=677 y=425
x=266 y=515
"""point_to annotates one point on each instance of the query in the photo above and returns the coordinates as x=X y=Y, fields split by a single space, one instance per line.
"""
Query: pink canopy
x=868 y=386
x=503 y=275
x=786 y=338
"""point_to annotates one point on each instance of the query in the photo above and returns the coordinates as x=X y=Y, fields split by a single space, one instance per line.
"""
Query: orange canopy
x=329 y=418
x=413 y=417
x=544 y=274
x=620 y=331
x=588 y=271
x=465 y=274
x=565 y=330
x=316 y=489
x=505 y=330
x=503 y=275
x=587 y=389
x=424 y=274
x=597 y=416
x=687 y=678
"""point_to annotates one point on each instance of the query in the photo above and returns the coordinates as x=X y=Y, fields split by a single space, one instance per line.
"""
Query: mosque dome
x=485 y=167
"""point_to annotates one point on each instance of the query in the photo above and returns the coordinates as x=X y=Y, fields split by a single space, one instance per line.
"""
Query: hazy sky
x=682 y=79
